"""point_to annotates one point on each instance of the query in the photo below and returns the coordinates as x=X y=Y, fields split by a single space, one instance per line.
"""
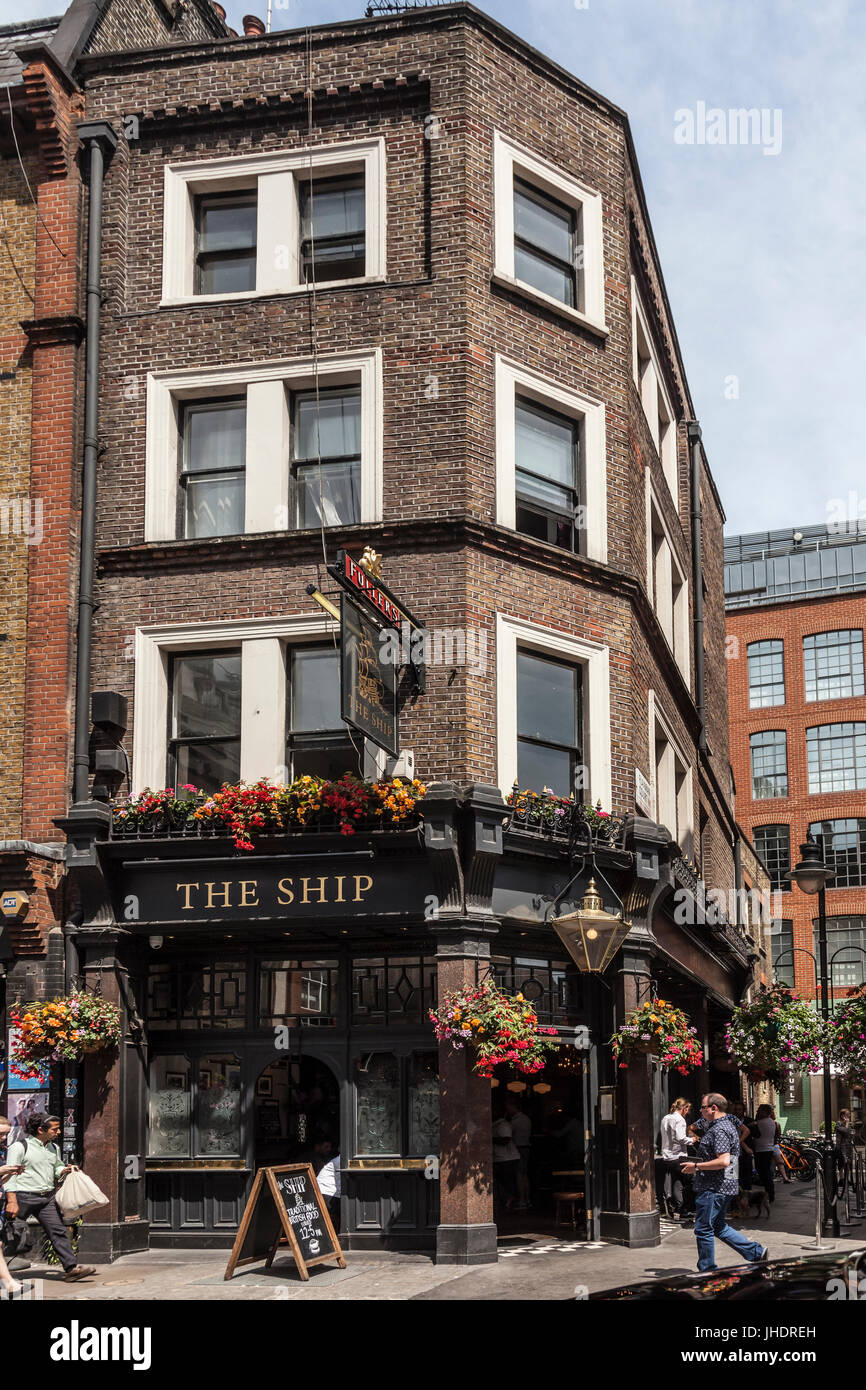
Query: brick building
x=795 y=612
x=389 y=283
x=41 y=378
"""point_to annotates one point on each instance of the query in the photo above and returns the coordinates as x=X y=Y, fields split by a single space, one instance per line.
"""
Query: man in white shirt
x=674 y=1149
x=328 y=1176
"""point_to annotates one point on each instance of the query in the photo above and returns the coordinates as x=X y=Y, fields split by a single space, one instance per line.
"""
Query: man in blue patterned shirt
x=715 y=1180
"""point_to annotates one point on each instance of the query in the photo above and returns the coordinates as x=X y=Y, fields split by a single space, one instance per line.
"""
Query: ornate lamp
x=811 y=873
x=591 y=935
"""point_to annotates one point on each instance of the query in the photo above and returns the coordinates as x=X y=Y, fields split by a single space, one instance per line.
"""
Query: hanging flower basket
x=847 y=1039
x=660 y=1029
x=248 y=810
x=64 y=1029
x=498 y=1027
x=775 y=1031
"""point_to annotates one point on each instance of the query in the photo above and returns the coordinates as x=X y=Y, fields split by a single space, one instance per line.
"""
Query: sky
x=762 y=239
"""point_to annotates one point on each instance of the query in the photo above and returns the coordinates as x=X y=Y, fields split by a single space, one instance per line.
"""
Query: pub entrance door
x=295 y=1102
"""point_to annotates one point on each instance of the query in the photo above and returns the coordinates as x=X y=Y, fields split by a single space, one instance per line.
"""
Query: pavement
x=532 y=1265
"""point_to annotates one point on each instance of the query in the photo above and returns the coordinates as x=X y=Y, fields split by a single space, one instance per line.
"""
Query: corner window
x=766 y=673
x=547 y=234
x=773 y=844
x=769 y=752
x=549 y=719
x=833 y=665
x=212 y=468
x=836 y=755
x=318 y=743
x=546 y=472
x=326 y=458
x=545 y=243
x=332 y=222
x=225 y=255
x=650 y=383
x=204 y=744
x=843 y=848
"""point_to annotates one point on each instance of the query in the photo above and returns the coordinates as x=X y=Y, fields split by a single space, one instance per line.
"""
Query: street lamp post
x=812 y=875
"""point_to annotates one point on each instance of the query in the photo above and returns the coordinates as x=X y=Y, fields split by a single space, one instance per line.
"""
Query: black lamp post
x=813 y=876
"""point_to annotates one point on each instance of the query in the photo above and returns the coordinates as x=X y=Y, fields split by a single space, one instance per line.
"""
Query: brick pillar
x=637 y=1223
x=466 y=1234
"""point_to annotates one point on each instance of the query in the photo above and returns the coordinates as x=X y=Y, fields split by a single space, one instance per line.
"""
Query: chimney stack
x=219 y=9
x=253 y=26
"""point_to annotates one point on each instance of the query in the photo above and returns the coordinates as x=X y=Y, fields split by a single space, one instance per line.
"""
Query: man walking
x=715 y=1180
x=31 y=1191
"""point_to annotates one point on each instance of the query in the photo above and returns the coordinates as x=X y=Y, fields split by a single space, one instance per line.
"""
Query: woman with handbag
x=30 y=1192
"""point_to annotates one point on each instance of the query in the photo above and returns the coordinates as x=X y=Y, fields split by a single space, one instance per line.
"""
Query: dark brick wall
x=437 y=314
x=133 y=24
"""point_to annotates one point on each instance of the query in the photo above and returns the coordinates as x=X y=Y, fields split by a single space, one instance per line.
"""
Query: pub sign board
x=286 y=1207
x=368 y=678
x=272 y=888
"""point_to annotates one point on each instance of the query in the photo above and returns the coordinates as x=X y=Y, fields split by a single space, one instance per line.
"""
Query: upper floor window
x=773 y=844
x=545 y=243
x=833 y=665
x=769 y=751
x=205 y=719
x=548 y=724
x=212 y=468
x=332 y=216
x=225 y=256
x=666 y=583
x=849 y=967
x=836 y=756
x=782 y=947
x=673 y=789
x=317 y=740
x=326 y=458
x=657 y=407
x=766 y=673
x=264 y=447
x=546 y=471
x=262 y=223
x=548 y=234
x=843 y=848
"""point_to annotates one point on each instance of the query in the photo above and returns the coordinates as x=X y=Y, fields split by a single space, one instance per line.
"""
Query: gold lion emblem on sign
x=371 y=563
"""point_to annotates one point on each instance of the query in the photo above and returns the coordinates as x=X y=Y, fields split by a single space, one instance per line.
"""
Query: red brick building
x=388 y=283
x=796 y=604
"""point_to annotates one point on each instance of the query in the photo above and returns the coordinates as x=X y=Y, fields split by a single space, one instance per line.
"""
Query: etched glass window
x=423 y=1103
x=218 y=1113
x=169 y=1107
x=377 y=1100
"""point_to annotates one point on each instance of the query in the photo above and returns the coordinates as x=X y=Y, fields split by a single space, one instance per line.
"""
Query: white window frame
x=594 y=658
x=512 y=381
x=263 y=643
x=649 y=380
x=673 y=611
x=275 y=178
x=268 y=466
x=673 y=809
x=510 y=159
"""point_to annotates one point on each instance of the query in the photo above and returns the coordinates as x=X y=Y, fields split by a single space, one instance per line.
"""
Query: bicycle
x=798 y=1165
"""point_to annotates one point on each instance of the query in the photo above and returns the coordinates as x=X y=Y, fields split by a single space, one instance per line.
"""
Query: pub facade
x=386 y=289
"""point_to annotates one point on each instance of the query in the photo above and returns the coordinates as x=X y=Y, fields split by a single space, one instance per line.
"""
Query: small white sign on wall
x=643 y=794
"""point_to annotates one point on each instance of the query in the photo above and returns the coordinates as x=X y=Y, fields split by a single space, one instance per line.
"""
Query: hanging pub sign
x=286 y=1208
x=362 y=581
x=368 y=678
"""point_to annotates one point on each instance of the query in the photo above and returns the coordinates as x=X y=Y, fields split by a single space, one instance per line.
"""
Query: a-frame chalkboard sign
x=286 y=1207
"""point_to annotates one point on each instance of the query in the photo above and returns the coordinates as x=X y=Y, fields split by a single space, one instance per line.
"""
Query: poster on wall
x=16 y=1082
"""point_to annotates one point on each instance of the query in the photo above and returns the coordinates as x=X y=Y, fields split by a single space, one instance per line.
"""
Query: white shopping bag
x=77 y=1195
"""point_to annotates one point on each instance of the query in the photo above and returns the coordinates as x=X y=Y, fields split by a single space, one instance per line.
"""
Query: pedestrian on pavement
x=521 y=1133
x=747 y=1153
x=674 y=1148
x=326 y=1165
x=715 y=1172
x=7 y=1170
x=30 y=1192
x=767 y=1136
x=506 y=1161
x=844 y=1135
